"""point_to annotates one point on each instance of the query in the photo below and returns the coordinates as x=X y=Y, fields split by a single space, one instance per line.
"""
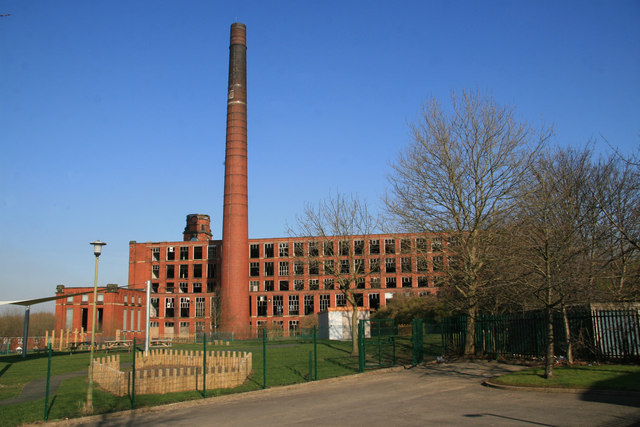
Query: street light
x=97 y=250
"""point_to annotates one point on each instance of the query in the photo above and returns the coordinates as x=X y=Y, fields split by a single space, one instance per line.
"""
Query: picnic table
x=117 y=344
x=160 y=343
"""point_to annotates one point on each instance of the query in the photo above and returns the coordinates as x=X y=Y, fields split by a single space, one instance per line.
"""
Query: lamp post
x=97 y=250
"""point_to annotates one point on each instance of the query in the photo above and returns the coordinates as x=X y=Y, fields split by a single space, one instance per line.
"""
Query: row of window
x=184 y=252
x=331 y=284
x=183 y=310
x=329 y=266
x=182 y=288
x=345 y=247
x=308 y=303
x=100 y=298
x=184 y=271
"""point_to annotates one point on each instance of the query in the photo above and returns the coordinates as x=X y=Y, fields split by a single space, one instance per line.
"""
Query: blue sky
x=112 y=113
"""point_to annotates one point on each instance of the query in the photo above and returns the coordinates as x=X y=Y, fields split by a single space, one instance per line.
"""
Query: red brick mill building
x=236 y=284
x=289 y=278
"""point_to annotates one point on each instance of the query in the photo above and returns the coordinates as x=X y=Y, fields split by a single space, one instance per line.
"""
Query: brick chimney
x=234 y=289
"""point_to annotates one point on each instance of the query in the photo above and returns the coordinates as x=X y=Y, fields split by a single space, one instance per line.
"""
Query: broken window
x=423 y=281
x=184 y=271
x=298 y=285
x=253 y=286
x=197 y=252
x=344 y=247
x=268 y=250
x=405 y=246
x=155 y=254
x=313 y=249
x=328 y=267
x=423 y=266
x=155 y=271
x=197 y=271
x=199 y=306
x=407 y=282
x=169 y=288
x=390 y=265
x=358 y=247
x=391 y=282
x=211 y=271
x=268 y=285
x=359 y=300
x=254 y=250
x=283 y=285
x=314 y=284
x=184 y=287
x=406 y=265
x=211 y=252
x=298 y=268
x=438 y=263
x=171 y=271
x=436 y=244
x=154 y=289
x=374 y=283
x=314 y=267
x=328 y=248
x=360 y=283
x=308 y=305
x=329 y=284
x=389 y=246
x=438 y=281
x=171 y=253
x=268 y=268
x=325 y=302
x=283 y=268
x=169 y=307
x=184 y=307
x=254 y=269
x=298 y=249
x=184 y=252
x=344 y=266
x=261 y=305
x=211 y=286
x=277 y=306
x=358 y=266
x=341 y=300
x=283 y=250
x=153 y=312
x=293 y=326
x=197 y=288
x=374 y=301
x=294 y=305
x=374 y=247
x=374 y=265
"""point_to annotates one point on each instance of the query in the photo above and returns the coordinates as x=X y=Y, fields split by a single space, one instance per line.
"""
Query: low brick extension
x=168 y=371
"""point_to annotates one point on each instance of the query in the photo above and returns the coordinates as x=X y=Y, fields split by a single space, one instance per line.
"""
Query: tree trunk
x=470 y=335
x=548 y=367
x=567 y=334
x=354 y=329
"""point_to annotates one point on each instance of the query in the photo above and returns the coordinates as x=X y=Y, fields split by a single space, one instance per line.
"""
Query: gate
x=376 y=343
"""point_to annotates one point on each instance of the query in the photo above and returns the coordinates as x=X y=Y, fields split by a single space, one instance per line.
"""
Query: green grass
x=613 y=377
x=287 y=363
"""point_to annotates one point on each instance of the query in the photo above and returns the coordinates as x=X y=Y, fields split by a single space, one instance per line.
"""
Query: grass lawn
x=287 y=363
x=613 y=377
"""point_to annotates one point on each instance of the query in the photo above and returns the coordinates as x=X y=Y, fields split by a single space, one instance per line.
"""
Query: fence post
x=315 y=353
x=46 y=394
x=264 y=358
x=204 y=365
x=133 y=376
x=310 y=377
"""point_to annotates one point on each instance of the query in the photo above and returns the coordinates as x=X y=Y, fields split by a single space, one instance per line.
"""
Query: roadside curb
x=626 y=393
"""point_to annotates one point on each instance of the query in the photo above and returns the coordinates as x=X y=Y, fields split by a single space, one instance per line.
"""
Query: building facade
x=290 y=278
x=118 y=311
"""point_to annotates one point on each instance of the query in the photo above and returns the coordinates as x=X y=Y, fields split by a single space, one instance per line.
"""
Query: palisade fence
x=604 y=334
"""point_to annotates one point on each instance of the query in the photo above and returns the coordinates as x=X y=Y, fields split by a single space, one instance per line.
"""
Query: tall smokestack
x=234 y=290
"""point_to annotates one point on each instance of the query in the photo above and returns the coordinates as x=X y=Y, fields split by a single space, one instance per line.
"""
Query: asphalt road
x=447 y=394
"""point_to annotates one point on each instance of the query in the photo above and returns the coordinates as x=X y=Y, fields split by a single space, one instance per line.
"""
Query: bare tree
x=462 y=174
x=339 y=227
